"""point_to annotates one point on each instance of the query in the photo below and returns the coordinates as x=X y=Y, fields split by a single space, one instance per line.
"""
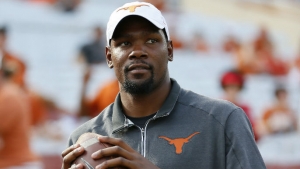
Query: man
x=154 y=123
x=15 y=126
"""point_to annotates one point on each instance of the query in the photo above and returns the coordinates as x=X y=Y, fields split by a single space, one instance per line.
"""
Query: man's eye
x=125 y=43
x=151 y=41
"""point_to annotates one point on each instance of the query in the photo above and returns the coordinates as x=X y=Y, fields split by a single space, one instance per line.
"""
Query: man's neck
x=145 y=105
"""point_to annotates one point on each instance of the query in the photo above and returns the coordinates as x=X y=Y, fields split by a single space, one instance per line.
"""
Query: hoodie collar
x=120 y=121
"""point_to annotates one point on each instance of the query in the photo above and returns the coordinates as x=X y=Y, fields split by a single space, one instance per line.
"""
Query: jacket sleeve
x=241 y=148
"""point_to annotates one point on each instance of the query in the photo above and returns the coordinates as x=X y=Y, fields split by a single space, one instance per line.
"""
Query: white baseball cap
x=143 y=9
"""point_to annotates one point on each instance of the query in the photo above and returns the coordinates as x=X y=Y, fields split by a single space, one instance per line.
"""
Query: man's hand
x=125 y=155
x=70 y=154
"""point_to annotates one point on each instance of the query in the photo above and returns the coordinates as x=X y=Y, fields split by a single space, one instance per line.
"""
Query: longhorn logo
x=179 y=142
x=132 y=8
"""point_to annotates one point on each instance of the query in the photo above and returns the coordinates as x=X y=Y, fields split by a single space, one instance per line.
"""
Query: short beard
x=139 y=88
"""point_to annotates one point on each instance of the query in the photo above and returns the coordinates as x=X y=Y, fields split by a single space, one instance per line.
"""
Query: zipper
x=142 y=141
x=128 y=123
x=144 y=137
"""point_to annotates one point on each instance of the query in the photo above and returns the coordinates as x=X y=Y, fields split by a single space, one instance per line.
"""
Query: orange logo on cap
x=132 y=7
x=179 y=142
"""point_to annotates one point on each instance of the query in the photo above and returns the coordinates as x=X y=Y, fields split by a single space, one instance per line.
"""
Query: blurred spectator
x=40 y=112
x=264 y=51
x=260 y=58
x=246 y=60
x=231 y=44
x=104 y=97
x=262 y=41
x=68 y=5
x=232 y=83
x=199 y=43
x=15 y=127
x=93 y=52
x=15 y=70
x=279 y=117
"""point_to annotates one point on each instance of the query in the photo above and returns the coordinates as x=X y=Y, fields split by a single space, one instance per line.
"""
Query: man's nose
x=138 y=51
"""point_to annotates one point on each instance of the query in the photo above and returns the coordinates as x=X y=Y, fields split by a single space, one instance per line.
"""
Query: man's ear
x=170 y=51
x=108 y=57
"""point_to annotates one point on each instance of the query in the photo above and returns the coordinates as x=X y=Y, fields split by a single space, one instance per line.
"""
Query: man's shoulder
x=210 y=106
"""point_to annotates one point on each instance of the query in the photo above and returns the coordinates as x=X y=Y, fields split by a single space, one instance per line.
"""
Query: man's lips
x=138 y=66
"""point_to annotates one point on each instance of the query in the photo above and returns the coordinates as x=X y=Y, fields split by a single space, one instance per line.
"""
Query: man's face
x=139 y=53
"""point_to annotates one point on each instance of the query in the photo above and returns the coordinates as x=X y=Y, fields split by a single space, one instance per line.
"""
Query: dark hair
x=165 y=33
x=279 y=89
x=3 y=30
x=6 y=71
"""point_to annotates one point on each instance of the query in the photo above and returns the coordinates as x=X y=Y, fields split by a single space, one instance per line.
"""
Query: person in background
x=153 y=122
x=92 y=54
x=15 y=70
x=232 y=83
x=279 y=117
x=15 y=126
x=68 y=5
x=260 y=57
x=104 y=97
x=230 y=44
x=199 y=43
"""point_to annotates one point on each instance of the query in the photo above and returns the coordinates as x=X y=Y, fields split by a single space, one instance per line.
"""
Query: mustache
x=126 y=69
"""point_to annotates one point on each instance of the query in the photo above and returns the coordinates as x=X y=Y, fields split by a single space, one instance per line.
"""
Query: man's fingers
x=71 y=156
x=114 y=151
x=69 y=149
x=116 y=162
x=115 y=141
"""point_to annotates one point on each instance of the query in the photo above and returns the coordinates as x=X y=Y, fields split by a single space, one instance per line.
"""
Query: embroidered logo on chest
x=178 y=142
